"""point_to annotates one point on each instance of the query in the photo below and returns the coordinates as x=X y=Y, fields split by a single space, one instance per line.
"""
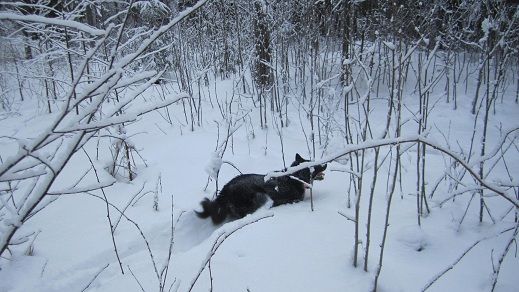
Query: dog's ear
x=299 y=158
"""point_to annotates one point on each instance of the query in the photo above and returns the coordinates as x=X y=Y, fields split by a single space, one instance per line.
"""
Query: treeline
x=228 y=29
x=274 y=47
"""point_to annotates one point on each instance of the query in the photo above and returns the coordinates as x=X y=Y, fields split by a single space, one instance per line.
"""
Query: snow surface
x=294 y=250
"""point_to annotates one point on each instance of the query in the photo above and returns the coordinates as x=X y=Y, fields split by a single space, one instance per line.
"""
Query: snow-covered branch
x=84 y=189
x=77 y=120
x=396 y=141
x=53 y=21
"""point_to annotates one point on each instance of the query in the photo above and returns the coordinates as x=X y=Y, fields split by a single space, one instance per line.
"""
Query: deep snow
x=294 y=250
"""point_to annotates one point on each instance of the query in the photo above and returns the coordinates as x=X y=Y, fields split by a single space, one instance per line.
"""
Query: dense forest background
x=272 y=39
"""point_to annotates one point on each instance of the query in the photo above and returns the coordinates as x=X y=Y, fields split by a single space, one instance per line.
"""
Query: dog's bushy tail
x=217 y=212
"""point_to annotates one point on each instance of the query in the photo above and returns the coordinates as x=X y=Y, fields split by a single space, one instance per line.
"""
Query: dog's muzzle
x=318 y=172
x=319 y=176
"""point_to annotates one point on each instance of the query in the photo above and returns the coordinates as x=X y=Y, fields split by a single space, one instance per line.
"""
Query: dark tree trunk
x=262 y=69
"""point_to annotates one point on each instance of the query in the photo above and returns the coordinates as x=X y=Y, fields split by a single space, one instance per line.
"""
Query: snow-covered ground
x=290 y=248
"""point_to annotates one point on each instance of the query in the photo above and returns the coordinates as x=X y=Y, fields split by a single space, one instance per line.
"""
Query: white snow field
x=117 y=118
x=286 y=248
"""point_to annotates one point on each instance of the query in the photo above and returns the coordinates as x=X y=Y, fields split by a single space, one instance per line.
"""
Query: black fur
x=246 y=193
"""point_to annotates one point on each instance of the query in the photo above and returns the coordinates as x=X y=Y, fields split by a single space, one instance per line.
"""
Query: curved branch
x=397 y=141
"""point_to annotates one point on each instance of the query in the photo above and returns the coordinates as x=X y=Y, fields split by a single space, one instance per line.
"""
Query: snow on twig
x=53 y=21
x=305 y=184
x=22 y=176
x=84 y=189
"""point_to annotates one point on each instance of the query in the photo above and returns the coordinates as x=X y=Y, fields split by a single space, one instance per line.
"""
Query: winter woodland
x=118 y=117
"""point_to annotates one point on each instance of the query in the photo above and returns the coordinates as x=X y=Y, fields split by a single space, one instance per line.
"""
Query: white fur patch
x=268 y=204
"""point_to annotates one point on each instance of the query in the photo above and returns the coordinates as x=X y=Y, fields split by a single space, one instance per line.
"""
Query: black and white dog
x=246 y=193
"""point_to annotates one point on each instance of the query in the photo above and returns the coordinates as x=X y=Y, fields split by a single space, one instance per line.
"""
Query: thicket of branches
x=88 y=75
x=333 y=61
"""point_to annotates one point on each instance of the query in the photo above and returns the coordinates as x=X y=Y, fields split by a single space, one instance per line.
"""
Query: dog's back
x=242 y=195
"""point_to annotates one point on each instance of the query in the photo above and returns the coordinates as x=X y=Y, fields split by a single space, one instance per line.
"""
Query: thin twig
x=495 y=275
x=451 y=266
x=137 y=280
x=107 y=213
x=95 y=277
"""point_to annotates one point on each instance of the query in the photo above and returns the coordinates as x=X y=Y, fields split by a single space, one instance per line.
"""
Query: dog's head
x=308 y=174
